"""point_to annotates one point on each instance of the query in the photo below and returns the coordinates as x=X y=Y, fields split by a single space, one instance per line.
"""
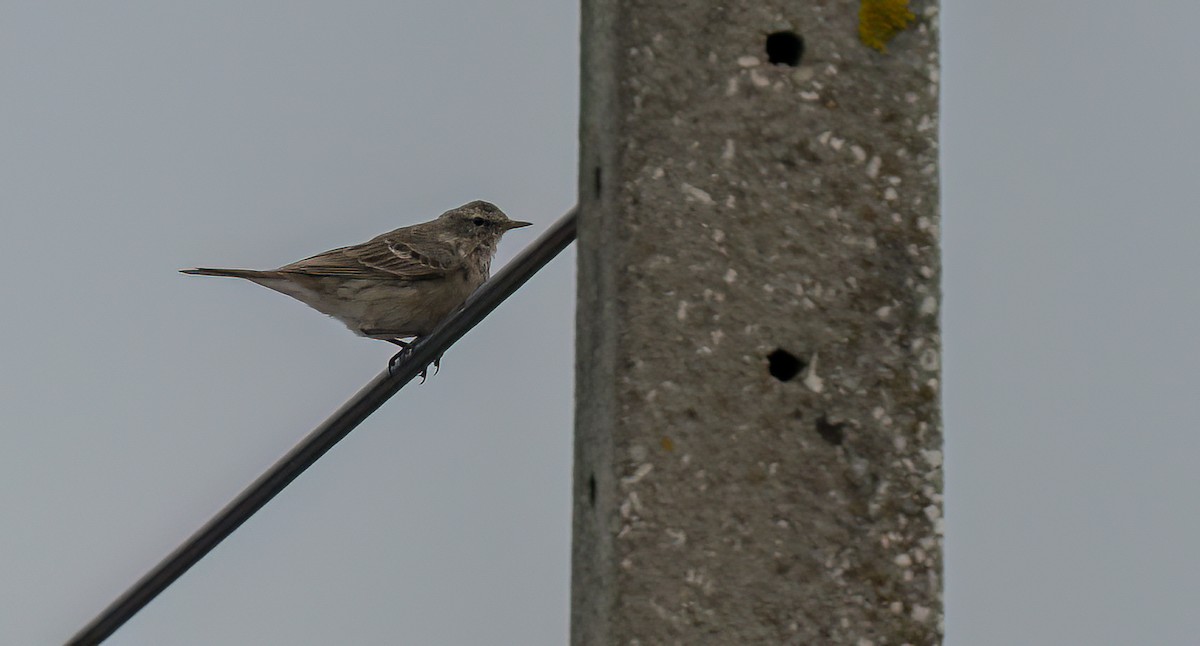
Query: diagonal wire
x=338 y=426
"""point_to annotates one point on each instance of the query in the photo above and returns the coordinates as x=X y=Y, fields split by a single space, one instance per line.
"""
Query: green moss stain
x=879 y=20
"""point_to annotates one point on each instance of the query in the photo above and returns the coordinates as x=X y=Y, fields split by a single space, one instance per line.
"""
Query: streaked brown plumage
x=397 y=285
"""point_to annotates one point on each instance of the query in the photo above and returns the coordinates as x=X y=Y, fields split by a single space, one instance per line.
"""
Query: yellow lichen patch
x=879 y=20
x=667 y=444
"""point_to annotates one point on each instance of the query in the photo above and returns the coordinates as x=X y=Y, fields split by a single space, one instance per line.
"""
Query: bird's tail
x=235 y=273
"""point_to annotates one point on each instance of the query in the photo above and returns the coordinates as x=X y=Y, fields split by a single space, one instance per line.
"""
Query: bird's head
x=479 y=220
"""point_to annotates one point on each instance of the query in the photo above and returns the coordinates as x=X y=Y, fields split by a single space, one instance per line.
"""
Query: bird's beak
x=517 y=224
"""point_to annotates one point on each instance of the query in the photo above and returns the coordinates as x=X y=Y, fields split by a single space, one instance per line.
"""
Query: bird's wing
x=386 y=257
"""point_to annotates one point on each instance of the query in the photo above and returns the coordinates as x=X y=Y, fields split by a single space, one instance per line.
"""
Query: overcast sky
x=140 y=137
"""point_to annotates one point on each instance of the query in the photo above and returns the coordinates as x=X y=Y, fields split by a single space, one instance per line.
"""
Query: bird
x=398 y=285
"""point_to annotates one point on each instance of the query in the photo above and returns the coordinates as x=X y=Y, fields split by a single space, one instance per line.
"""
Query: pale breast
x=415 y=309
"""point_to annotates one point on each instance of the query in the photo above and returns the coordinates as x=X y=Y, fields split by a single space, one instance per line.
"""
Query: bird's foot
x=398 y=359
x=406 y=350
x=403 y=356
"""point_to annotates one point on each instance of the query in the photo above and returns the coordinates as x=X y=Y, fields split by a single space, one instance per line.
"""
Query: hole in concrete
x=785 y=48
x=592 y=490
x=831 y=432
x=596 y=183
x=784 y=365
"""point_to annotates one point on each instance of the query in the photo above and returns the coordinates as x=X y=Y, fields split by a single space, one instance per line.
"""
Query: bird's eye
x=479 y=222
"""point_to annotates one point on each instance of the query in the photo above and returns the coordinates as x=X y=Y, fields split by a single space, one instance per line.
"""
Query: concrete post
x=758 y=441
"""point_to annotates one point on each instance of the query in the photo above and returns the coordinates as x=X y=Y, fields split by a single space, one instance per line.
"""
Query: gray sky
x=1070 y=221
x=141 y=137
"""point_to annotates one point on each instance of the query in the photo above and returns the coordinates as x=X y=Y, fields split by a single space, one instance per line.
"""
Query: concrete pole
x=758 y=440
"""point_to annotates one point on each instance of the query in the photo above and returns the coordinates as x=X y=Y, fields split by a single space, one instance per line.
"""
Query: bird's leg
x=406 y=348
x=406 y=351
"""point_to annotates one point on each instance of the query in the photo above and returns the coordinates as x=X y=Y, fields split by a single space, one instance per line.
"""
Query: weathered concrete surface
x=733 y=208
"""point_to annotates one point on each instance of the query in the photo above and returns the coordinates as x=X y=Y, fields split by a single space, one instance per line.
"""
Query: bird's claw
x=437 y=367
x=397 y=359
x=404 y=354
